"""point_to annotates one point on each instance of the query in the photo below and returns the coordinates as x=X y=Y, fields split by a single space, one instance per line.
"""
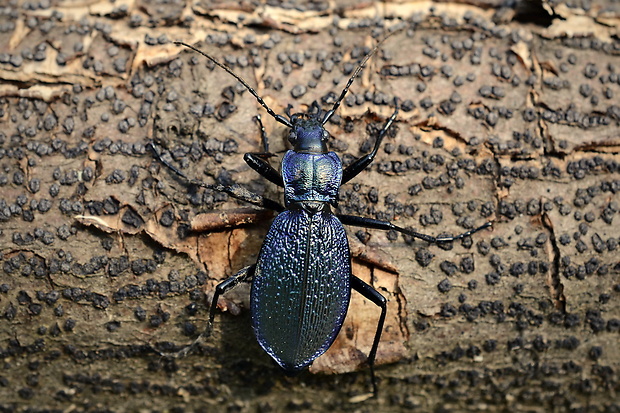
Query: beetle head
x=307 y=133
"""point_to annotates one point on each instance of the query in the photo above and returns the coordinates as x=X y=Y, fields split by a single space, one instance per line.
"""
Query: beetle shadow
x=242 y=362
x=244 y=366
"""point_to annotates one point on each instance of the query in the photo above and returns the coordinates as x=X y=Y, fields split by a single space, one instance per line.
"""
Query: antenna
x=359 y=68
x=260 y=100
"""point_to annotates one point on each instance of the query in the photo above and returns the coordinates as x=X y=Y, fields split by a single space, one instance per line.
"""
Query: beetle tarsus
x=360 y=164
x=379 y=300
x=185 y=350
x=244 y=275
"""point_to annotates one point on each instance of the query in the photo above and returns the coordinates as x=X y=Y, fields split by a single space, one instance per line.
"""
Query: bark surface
x=508 y=114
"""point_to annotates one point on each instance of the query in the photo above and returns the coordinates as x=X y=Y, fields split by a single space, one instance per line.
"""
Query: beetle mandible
x=302 y=279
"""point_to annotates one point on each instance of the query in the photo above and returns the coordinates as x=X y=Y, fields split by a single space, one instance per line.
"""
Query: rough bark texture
x=509 y=113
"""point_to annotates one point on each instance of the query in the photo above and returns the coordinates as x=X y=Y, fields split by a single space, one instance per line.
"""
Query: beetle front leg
x=373 y=295
x=263 y=168
x=360 y=164
x=387 y=226
x=258 y=161
x=244 y=275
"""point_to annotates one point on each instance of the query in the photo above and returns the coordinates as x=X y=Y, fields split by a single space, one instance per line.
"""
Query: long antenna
x=260 y=100
x=359 y=68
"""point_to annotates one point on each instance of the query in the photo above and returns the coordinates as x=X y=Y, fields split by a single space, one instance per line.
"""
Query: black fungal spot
x=423 y=256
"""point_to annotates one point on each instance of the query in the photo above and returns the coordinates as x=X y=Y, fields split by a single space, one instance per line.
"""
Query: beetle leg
x=244 y=275
x=373 y=295
x=258 y=161
x=264 y=139
x=236 y=191
x=261 y=166
x=360 y=164
x=387 y=226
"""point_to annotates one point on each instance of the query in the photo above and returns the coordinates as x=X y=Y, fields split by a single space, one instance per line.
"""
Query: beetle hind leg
x=373 y=295
x=244 y=275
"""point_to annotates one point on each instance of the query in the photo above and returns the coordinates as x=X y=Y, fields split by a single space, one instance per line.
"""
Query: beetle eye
x=292 y=137
x=325 y=136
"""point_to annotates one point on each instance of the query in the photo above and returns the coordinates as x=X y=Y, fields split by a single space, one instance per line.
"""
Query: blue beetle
x=302 y=280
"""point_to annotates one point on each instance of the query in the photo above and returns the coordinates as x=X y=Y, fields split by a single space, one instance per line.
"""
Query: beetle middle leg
x=387 y=226
x=373 y=295
x=244 y=275
x=236 y=191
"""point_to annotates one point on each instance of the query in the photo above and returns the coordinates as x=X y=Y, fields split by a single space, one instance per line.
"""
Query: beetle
x=302 y=279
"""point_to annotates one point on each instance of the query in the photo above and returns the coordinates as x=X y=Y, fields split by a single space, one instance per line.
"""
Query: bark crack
x=556 y=288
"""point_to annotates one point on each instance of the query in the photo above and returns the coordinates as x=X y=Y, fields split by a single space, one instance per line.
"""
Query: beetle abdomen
x=301 y=291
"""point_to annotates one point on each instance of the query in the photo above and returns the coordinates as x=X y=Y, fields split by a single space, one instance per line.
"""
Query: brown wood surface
x=509 y=113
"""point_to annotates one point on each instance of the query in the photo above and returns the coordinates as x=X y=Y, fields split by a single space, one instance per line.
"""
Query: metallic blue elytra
x=301 y=287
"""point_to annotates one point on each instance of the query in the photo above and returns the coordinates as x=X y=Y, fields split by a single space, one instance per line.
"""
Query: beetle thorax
x=311 y=177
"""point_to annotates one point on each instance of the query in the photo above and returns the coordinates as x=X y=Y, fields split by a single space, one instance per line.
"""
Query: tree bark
x=507 y=114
